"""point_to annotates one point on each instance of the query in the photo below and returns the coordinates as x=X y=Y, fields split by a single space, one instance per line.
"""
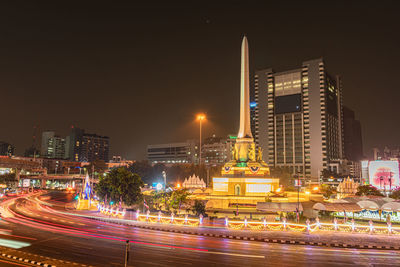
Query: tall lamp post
x=200 y=118
x=298 y=196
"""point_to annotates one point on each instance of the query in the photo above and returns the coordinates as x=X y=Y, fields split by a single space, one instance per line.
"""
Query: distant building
x=118 y=161
x=6 y=149
x=217 y=150
x=388 y=153
x=345 y=168
x=186 y=152
x=86 y=147
x=53 y=146
x=32 y=152
x=352 y=139
x=298 y=118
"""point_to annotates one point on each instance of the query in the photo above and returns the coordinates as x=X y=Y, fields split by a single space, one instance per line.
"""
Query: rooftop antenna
x=34 y=138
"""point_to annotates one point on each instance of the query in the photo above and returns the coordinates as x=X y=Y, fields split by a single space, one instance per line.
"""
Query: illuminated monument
x=85 y=201
x=245 y=179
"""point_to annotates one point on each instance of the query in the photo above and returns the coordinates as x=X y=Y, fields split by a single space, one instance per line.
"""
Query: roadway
x=46 y=232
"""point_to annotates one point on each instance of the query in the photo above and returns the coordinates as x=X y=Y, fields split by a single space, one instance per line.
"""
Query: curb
x=291 y=242
x=26 y=260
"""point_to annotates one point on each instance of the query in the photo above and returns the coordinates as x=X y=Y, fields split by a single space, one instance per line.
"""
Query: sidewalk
x=333 y=239
x=33 y=259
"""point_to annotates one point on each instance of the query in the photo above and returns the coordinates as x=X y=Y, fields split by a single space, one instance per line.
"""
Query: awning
x=368 y=205
x=348 y=207
x=391 y=206
x=278 y=207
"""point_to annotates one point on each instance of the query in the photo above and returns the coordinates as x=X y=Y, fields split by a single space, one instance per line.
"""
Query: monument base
x=86 y=204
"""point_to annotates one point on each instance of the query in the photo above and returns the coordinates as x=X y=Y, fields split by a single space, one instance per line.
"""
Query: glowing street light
x=200 y=118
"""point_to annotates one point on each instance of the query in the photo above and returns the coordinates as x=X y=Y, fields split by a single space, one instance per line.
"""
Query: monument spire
x=244 y=128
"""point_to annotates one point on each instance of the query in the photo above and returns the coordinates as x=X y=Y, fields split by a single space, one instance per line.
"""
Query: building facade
x=6 y=149
x=217 y=150
x=86 y=147
x=388 y=153
x=298 y=118
x=53 y=146
x=352 y=138
x=186 y=152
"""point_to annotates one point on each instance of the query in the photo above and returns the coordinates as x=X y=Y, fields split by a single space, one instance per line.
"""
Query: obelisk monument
x=244 y=148
x=244 y=129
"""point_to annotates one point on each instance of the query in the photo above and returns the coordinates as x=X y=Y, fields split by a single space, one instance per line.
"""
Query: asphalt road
x=46 y=232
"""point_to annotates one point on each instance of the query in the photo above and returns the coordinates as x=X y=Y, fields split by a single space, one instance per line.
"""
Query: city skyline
x=190 y=54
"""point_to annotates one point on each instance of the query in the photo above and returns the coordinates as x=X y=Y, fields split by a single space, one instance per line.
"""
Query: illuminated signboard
x=384 y=173
x=26 y=183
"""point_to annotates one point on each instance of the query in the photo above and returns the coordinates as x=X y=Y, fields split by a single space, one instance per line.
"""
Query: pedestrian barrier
x=317 y=226
x=111 y=211
x=168 y=220
x=350 y=227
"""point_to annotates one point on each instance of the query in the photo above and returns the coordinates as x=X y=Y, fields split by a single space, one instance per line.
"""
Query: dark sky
x=140 y=73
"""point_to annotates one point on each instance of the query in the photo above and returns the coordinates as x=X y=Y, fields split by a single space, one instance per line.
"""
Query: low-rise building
x=6 y=149
x=171 y=153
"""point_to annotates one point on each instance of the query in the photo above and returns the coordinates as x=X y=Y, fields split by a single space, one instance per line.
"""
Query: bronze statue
x=259 y=154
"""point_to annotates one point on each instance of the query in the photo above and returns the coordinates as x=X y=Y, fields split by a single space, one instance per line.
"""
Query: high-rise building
x=86 y=147
x=352 y=139
x=94 y=147
x=186 y=152
x=45 y=142
x=53 y=146
x=298 y=118
x=6 y=149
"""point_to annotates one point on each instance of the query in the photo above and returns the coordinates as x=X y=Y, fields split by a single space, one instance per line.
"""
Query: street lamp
x=200 y=118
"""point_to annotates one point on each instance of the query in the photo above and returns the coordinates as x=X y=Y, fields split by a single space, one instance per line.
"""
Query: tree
x=326 y=190
x=178 y=198
x=199 y=208
x=395 y=193
x=120 y=185
x=368 y=190
x=145 y=171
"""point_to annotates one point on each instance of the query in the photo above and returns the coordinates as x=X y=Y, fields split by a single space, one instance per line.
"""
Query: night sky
x=140 y=73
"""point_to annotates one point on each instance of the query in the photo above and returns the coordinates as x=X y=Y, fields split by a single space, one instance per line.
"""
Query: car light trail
x=13 y=243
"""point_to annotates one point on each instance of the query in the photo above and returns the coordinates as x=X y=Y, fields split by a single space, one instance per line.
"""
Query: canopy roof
x=391 y=206
x=276 y=207
x=368 y=205
x=348 y=207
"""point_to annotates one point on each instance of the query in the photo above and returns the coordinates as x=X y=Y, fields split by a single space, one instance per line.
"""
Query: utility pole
x=164 y=174
x=127 y=253
x=200 y=118
x=298 y=197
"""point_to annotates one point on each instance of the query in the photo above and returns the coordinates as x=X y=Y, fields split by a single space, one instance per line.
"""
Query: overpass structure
x=37 y=172
x=59 y=177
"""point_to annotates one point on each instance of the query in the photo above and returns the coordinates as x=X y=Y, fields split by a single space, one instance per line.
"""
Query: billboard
x=384 y=173
x=26 y=183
